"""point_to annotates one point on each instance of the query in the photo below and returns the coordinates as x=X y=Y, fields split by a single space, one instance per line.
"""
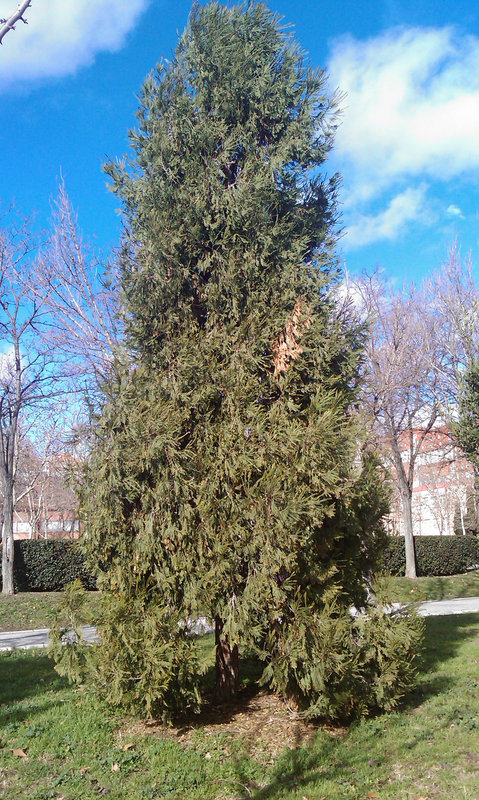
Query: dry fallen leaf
x=84 y=769
x=127 y=746
x=115 y=767
x=20 y=753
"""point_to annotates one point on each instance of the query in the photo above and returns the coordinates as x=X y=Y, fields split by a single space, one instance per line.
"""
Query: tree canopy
x=226 y=475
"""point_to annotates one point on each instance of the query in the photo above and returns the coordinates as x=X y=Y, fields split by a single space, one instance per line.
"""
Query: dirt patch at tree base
x=263 y=721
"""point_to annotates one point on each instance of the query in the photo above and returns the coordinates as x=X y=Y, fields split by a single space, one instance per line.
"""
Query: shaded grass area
x=58 y=741
x=30 y=610
x=406 y=590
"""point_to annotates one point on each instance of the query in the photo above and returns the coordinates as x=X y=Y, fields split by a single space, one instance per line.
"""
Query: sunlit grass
x=76 y=748
x=30 y=610
x=406 y=590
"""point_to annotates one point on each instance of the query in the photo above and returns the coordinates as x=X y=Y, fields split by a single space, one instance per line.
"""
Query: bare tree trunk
x=7 y=537
x=227 y=666
x=410 y=548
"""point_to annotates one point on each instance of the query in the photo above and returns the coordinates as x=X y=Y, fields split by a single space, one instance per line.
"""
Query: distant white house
x=443 y=487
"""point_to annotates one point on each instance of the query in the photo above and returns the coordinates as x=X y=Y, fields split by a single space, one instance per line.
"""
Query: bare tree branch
x=455 y=301
x=9 y=24
x=60 y=329
x=81 y=295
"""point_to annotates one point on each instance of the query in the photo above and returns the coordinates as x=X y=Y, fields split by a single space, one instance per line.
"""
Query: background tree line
x=58 y=329
x=61 y=325
x=421 y=343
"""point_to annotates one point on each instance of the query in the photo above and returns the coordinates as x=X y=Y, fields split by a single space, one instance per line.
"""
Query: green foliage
x=49 y=565
x=466 y=430
x=146 y=660
x=338 y=666
x=67 y=645
x=226 y=473
x=435 y=555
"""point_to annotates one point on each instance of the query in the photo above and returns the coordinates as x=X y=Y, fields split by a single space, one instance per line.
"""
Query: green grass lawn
x=29 y=610
x=405 y=590
x=61 y=742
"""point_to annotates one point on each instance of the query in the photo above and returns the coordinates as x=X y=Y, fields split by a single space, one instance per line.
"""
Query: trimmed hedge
x=48 y=565
x=435 y=555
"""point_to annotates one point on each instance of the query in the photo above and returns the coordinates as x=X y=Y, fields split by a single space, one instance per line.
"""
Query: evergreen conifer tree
x=466 y=429
x=225 y=476
x=466 y=432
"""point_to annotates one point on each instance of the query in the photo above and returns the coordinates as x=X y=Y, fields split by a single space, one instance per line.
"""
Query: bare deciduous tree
x=60 y=330
x=9 y=23
x=26 y=376
x=81 y=296
x=402 y=391
x=454 y=299
x=44 y=501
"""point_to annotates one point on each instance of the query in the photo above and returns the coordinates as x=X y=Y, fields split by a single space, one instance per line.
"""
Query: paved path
x=16 y=640
x=25 y=640
x=436 y=608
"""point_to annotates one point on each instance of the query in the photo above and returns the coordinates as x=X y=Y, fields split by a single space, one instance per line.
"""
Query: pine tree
x=225 y=476
x=466 y=432
x=466 y=429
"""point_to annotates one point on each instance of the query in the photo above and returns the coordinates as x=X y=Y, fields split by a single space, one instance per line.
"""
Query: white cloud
x=411 y=110
x=405 y=208
x=454 y=211
x=63 y=35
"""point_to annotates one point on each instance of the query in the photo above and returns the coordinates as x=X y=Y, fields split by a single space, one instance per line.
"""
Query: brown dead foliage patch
x=263 y=722
x=288 y=348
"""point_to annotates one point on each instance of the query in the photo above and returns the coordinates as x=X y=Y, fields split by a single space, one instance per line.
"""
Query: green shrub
x=336 y=666
x=147 y=662
x=435 y=555
x=48 y=566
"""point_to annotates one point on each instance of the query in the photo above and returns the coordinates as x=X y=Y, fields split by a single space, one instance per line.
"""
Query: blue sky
x=407 y=148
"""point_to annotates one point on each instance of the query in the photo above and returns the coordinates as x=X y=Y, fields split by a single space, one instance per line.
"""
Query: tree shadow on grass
x=25 y=677
x=326 y=769
x=442 y=640
x=438 y=587
x=444 y=635
x=299 y=768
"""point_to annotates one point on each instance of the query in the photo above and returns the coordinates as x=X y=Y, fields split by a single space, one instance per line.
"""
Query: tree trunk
x=7 y=538
x=406 y=498
x=227 y=666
